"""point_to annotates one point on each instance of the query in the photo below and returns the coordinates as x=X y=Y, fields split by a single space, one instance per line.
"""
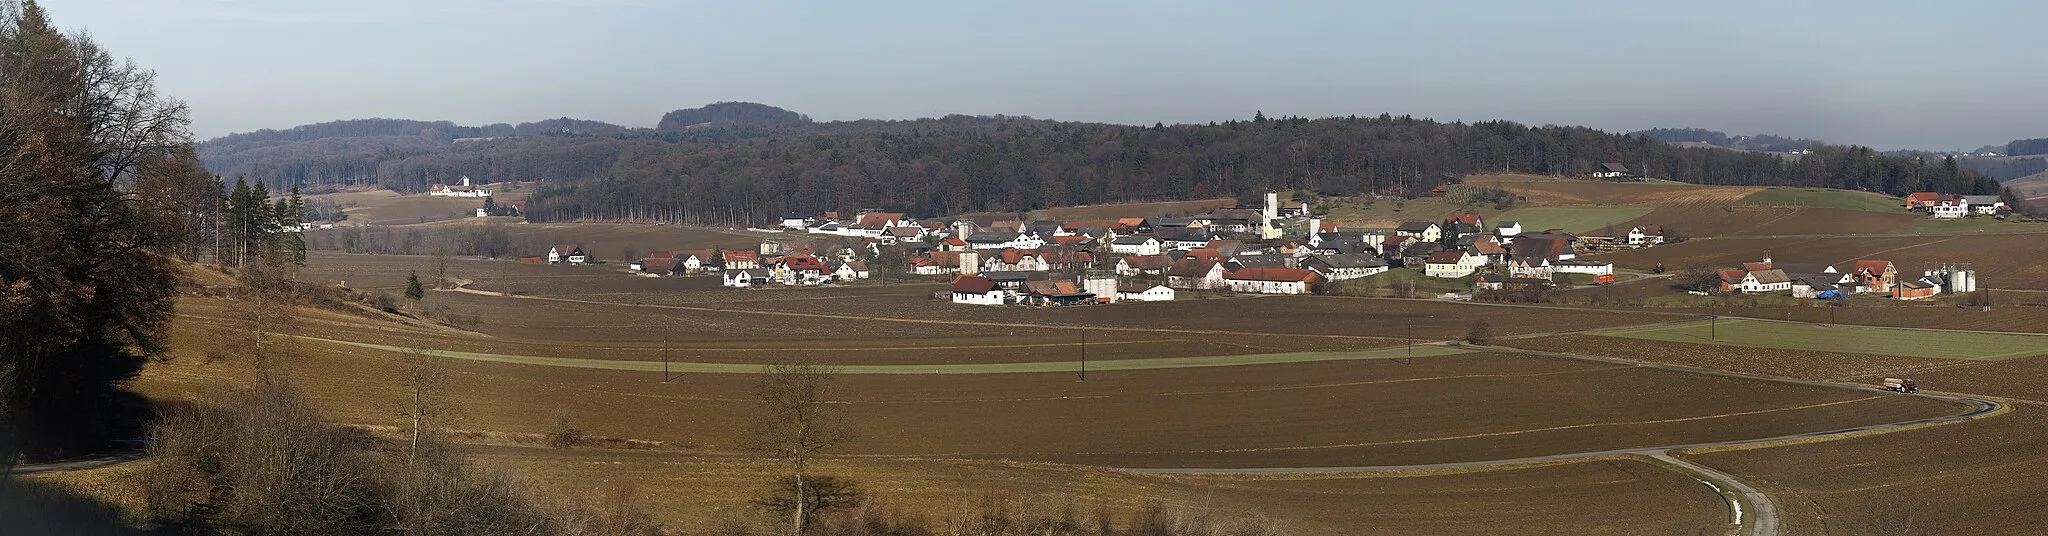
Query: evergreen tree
x=413 y=290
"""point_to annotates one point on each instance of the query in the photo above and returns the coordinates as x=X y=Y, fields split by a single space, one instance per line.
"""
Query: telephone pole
x=1084 y=356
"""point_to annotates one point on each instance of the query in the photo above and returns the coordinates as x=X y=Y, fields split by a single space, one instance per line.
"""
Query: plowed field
x=2015 y=261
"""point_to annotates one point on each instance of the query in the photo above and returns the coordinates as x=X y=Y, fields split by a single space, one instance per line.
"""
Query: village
x=1270 y=248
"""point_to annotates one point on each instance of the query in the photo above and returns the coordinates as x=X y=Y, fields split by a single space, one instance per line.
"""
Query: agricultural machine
x=1902 y=385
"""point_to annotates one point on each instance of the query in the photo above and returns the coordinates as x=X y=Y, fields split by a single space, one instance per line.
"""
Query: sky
x=1888 y=74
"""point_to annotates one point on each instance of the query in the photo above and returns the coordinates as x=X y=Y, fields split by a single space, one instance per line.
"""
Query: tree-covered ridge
x=962 y=164
x=2027 y=147
x=730 y=114
x=1759 y=142
x=348 y=152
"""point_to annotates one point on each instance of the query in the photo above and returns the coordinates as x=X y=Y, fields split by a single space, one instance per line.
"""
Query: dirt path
x=1397 y=352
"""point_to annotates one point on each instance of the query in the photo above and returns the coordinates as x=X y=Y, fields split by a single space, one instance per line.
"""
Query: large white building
x=465 y=190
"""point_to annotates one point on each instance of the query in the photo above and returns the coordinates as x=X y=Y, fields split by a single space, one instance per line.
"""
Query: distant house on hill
x=566 y=253
x=1273 y=280
x=1614 y=170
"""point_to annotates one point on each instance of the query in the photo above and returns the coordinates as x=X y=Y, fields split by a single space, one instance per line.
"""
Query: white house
x=1004 y=239
x=1193 y=273
x=976 y=290
x=1452 y=264
x=1765 y=281
x=1529 y=267
x=748 y=277
x=1135 y=245
x=566 y=253
x=796 y=222
x=1646 y=235
x=1272 y=280
x=1136 y=291
x=1948 y=207
x=1583 y=267
x=1983 y=204
x=1507 y=230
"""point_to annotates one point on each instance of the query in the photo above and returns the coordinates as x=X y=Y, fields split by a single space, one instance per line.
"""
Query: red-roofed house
x=1917 y=200
x=1464 y=218
x=801 y=270
x=740 y=259
x=1273 y=280
x=975 y=290
x=1872 y=276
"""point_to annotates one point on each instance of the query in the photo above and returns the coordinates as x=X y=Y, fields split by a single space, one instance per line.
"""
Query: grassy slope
x=1847 y=339
x=1825 y=198
x=1576 y=219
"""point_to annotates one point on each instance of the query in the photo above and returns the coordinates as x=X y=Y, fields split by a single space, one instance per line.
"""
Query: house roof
x=1136 y=286
x=1756 y=266
x=739 y=254
x=1444 y=257
x=1771 y=276
x=1148 y=262
x=973 y=284
x=1263 y=260
x=1013 y=275
x=1276 y=274
x=1507 y=224
x=1614 y=167
x=1981 y=199
x=1183 y=234
x=1191 y=267
x=879 y=220
x=1415 y=226
x=757 y=273
x=566 y=249
x=1464 y=218
x=1071 y=240
x=992 y=237
x=1539 y=246
x=1489 y=248
x=1922 y=197
x=1355 y=260
x=1422 y=248
x=803 y=262
x=1732 y=275
x=1132 y=240
x=1873 y=265
x=905 y=232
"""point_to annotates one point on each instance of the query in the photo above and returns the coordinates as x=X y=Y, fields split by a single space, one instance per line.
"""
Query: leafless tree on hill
x=425 y=405
x=797 y=423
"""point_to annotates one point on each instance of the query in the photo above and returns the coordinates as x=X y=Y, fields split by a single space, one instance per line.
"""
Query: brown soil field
x=604 y=241
x=1618 y=496
x=1831 y=366
x=1328 y=413
x=2002 y=261
x=2023 y=379
x=1977 y=477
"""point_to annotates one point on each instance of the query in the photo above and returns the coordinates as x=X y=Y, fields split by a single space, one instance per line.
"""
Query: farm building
x=1420 y=230
x=1135 y=245
x=1613 y=170
x=1195 y=273
x=1761 y=281
x=1143 y=265
x=1576 y=266
x=1141 y=291
x=1342 y=267
x=1646 y=235
x=1918 y=289
x=1273 y=280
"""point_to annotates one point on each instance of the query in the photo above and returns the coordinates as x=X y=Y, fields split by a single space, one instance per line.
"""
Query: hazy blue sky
x=1892 y=74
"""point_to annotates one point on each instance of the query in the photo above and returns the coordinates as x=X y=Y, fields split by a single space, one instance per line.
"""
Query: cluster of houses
x=1950 y=206
x=1826 y=281
x=1272 y=249
x=458 y=190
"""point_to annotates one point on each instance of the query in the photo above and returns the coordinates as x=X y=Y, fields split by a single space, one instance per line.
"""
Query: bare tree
x=797 y=423
x=426 y=403
x=1481 y=333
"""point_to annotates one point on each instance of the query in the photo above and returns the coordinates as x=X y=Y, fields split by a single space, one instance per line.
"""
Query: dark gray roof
x=753 y=272
x=1507 y=224
x=992 y=237
x=1014 y=275
x=1172 y=222
x=1184 y=234
x=1345 y=261
x=1422 y=248
x=1415 y=226
x=1131 y=240
x=1261 y=261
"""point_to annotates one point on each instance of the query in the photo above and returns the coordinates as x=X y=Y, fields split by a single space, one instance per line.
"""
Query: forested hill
x=751 y=172
x=349 y=152
x=727 y=114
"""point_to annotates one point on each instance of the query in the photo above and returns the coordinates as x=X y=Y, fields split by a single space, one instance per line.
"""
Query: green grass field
x=1420 y=350
x=1826 y=198
x=1850 y=339
x=1576 y=219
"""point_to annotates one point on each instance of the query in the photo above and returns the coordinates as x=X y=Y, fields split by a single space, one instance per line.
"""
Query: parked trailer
x=1902 y=385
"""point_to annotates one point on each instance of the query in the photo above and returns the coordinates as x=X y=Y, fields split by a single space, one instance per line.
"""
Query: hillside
x=728 y=114
x=1759 y=142
x=350 y=152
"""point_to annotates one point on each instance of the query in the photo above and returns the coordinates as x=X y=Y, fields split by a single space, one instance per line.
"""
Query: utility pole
x=1084 y=356
x=1714 y=328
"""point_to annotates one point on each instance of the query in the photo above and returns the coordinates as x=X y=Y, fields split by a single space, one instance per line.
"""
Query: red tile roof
x=803 y=262
x=973 y=284
x=1468 y=219
x=1877 y=267
x=1443 y=257
x=878 y=220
